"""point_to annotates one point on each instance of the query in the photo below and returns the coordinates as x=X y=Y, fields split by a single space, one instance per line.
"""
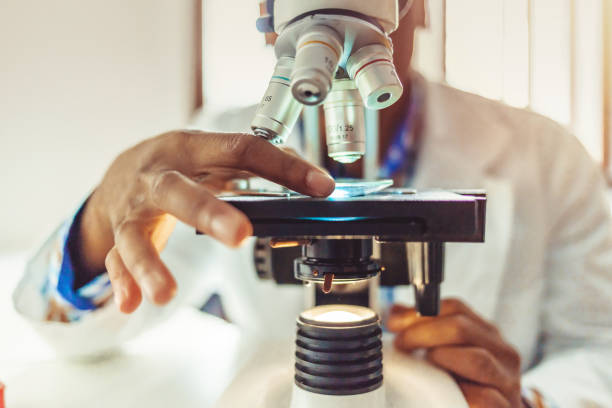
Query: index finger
x=253 y=154
x=452 y=330
x=402 y=317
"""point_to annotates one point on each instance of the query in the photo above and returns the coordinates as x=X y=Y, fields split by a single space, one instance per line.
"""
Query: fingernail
x=231 y=229
x=320 y=183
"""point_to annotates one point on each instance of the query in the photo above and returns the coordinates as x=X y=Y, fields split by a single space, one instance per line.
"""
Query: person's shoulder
x=527 y=130
x=520 y=120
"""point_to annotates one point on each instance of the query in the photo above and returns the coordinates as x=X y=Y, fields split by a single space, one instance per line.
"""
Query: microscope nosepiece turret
x=336 y=52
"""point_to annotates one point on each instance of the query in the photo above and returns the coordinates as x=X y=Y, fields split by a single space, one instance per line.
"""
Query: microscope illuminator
x=338 y=350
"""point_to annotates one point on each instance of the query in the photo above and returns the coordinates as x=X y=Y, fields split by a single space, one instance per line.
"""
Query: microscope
x=345 y=248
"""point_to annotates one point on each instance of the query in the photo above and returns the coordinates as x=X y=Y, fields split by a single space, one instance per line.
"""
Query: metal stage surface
x=402 y=214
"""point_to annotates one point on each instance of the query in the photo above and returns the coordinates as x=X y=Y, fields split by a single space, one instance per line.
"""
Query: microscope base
x=267 y=382
x=301 y=398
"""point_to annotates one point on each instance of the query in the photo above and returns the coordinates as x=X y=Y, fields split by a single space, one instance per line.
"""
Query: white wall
x=80 y=81
x=546 y=55
x=237 y=62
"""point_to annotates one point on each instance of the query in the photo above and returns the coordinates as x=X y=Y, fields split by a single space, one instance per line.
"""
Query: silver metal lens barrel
x=374 y=73
x=318 y=51
x=344 y=122
x=278 y=110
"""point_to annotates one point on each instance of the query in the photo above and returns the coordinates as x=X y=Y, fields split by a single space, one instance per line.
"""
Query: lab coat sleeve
x=575 y=369
x=47 y=291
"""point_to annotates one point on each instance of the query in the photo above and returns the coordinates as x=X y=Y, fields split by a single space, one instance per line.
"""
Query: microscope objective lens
x=384 y=97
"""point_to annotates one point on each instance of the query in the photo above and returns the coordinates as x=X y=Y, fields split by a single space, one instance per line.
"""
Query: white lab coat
x=543 y=276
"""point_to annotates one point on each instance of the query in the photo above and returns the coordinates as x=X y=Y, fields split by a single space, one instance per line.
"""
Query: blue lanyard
x=401 y=158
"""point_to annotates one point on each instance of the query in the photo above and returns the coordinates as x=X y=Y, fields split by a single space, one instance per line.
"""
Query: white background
x=80 y=81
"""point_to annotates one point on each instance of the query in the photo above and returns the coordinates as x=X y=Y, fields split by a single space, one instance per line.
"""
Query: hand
x=128 y=219
x=471 y=349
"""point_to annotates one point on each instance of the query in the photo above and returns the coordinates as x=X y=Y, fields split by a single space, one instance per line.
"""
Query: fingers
x=477 y=365
x=452 y=330
x=464 y=344
x=478 y=396
x=289 y=150
x=142 y=214
x=126 y=292
x=174 y=193
x=253 y=154
x=401 y=317
x=141 y=259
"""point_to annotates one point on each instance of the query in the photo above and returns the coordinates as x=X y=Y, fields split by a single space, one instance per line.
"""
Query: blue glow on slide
x=333 y=218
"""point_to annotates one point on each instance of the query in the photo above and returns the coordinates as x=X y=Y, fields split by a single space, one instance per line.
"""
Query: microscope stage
x=393 y=214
